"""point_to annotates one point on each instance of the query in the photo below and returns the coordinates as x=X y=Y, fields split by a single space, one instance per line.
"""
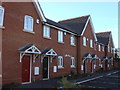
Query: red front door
x=26 y=68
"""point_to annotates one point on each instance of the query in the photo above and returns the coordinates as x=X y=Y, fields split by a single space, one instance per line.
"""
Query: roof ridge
x=73 y=18
x=103 y=32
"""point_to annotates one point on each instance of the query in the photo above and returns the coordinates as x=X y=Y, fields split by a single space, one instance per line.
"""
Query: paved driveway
x=109 y=81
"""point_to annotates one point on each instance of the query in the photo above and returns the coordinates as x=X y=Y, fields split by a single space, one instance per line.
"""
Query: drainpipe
x=77 y=52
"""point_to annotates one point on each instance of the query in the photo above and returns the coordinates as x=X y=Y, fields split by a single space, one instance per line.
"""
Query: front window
x=60 y=62
x=1 y=16
x=91 y=43
x=84 y=41
x=46 y=32
x=72 y=62
x=28 y=23
x=60 y=36
x=72 y=40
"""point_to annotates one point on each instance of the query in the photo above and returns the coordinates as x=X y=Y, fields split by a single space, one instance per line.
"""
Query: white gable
x=51 y=52
x=93 y=30
x=39 y=10
x=33 y=49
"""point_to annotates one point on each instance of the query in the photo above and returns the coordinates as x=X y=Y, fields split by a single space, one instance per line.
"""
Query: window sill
x=73 y=45
x=60 y=67
x=72 y=66
x=28 y=31
x=2 y=27
x=61 y=42
x=46 y=37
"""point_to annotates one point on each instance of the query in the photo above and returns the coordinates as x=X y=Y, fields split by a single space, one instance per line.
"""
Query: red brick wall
x=14 y=38
x=86 y=49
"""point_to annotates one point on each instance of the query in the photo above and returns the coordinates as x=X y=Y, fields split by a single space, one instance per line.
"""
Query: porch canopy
x=94 y=56
x=29 y=49
x=105 y=58
x=48 y=52
x=87 y=55
x=110 y=58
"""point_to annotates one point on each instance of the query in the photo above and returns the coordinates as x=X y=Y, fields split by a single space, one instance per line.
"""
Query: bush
x=100 y=70
x=66 y=84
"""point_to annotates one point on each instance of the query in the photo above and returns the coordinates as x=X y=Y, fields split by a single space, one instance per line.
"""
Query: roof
x=51 y=22
x=103 y=37
x=86 y=55
x=45 y=50
x=25 y=47
x=75 y=25
x=93 y=55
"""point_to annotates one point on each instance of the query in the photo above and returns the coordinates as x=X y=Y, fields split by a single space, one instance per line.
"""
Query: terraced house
x=33 y=47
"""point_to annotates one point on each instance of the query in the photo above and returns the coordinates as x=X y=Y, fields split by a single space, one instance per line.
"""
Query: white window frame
x=99 y=47
x=60 y=61
x=91 y=43
x=26 y=23
x=103 y=48
x=60 y=36
x=46 y=31
x=72 y=62
x=1 y=16
x=84 y=41
x=72 y=40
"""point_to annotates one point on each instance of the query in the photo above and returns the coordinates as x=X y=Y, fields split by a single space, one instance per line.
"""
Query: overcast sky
x=104 y=14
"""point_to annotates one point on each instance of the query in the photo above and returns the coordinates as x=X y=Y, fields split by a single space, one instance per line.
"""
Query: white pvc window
x=60 y=62
x=1 y=16
x=46 y=32
x=91 y=43
x=72 y=62
x=72 y=39
x=60 y=36
x=99 y=48
x=103 y=48
x=84 y=41
x=28 y=23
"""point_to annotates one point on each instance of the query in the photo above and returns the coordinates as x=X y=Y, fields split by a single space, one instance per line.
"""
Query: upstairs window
x=46 y=31
x=72 y=40
x=72 y=62
x=1 y=16
x=91 y=43
x=103 y=48
x=28 y=23
x=84 y=41
x=60 y=62
x=60 y=36
x=99 y=48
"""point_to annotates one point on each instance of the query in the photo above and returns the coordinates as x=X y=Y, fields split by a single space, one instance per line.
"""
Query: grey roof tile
x=103 y=37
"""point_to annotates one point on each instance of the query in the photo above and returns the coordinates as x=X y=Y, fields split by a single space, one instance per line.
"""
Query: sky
x=104 y=14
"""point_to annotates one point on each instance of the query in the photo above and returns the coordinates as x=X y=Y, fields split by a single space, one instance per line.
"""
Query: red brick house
x=34 y=47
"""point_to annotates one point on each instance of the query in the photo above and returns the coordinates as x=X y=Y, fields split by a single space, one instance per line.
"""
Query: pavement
x=107 y=80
